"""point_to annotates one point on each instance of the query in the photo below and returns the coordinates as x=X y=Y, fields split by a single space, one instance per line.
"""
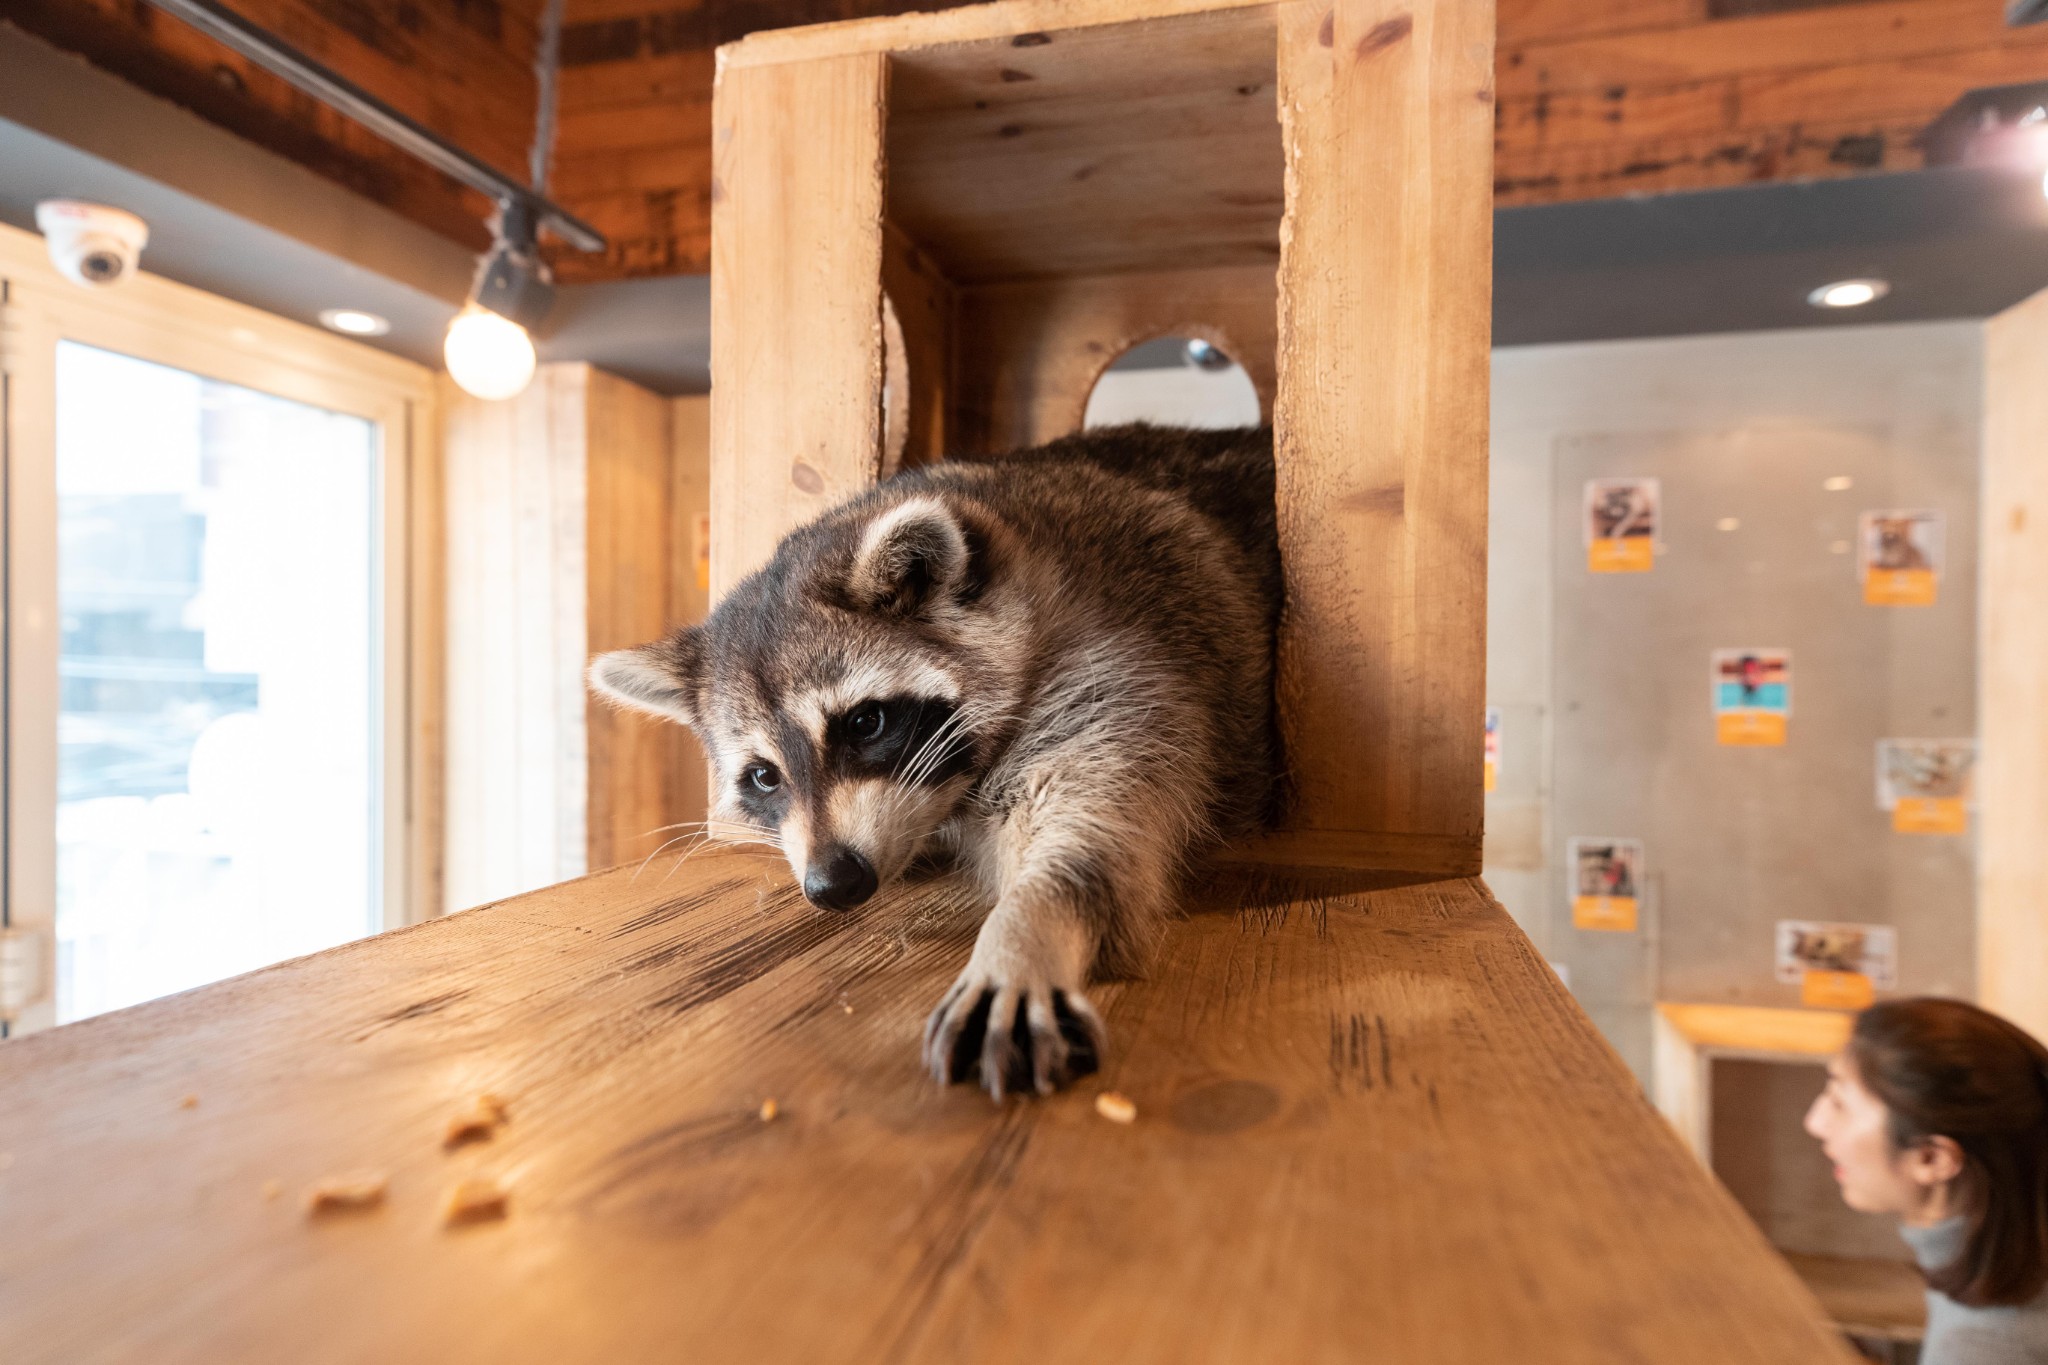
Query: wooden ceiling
x=1594 y=98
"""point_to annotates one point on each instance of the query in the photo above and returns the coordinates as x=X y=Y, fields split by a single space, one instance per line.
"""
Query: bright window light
x=1848 y=293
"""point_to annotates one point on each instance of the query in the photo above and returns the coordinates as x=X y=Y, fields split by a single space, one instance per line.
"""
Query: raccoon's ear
x=911 y=553
x=660 y=678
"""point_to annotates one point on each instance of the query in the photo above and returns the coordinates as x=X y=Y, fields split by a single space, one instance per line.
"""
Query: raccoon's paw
x=1016 y=1038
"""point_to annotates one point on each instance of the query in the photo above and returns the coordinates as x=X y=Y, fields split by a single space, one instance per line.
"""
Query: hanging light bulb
x=489 y=350
x=489 y=356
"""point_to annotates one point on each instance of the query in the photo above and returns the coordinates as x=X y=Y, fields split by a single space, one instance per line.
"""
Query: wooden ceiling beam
x=1593 y=97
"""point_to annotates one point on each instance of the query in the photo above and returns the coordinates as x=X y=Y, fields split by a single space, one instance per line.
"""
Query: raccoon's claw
x=1036 y=1041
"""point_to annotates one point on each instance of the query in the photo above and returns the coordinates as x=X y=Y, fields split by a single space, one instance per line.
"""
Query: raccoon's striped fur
x=1055 y=666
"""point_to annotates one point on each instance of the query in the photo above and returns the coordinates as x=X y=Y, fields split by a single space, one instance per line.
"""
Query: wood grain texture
x=1030 y=352
x=2012 y=671
x=464 y=68
x=927 y=309
x=641 y=775
x=1381 y=416
x=1371 y=1126
x=564 y=541
x=1120 y=147
x=796 y=299
x=518 y=524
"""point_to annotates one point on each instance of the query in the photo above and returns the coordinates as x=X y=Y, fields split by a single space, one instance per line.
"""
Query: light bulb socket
x=511 y=278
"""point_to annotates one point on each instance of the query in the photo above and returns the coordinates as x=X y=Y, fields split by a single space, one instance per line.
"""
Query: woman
x=1937 y=1113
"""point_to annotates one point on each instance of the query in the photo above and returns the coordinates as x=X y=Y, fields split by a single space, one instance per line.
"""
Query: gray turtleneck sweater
x=2016 y=1335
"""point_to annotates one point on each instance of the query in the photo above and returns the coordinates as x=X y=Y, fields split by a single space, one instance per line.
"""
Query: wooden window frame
x=157 y=320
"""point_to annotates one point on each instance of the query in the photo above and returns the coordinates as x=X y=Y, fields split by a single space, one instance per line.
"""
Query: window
x=212 y=732
x=216 y=761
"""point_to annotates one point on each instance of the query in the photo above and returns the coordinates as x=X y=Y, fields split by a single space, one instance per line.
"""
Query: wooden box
x=931 y=233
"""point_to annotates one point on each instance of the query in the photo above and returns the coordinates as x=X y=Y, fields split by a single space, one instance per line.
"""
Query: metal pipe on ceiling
x=344 y=96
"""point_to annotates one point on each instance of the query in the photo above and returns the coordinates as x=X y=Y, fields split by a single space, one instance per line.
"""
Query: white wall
x=1917 y=385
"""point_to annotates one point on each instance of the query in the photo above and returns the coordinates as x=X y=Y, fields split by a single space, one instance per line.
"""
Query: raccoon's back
x=1226 y=475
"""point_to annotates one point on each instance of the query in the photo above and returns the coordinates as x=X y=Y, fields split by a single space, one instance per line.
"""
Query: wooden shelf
x=1371 y=1126
x=1883 y=1300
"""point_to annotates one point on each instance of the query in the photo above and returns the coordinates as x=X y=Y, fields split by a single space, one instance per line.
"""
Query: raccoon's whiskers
x=700 y=834
x=932 y=752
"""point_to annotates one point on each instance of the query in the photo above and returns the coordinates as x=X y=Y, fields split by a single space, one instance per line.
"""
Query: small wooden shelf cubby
x=1033 y=187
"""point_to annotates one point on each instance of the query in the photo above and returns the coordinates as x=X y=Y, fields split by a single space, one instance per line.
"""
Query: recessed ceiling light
x=1848 y=293
x=1840 y=483
x=354 y=321
x=1728 y=524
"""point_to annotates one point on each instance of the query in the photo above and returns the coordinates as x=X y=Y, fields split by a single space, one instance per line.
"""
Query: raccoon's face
x=844 y=692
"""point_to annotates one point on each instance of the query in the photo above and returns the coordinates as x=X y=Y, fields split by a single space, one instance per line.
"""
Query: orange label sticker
x=1930 y=815
x=1899 y=587
x=1624 y=554
x=1749 y=728
x=1836 y=990
x=703 y=553
x=1492 y=775
x=1615 y=914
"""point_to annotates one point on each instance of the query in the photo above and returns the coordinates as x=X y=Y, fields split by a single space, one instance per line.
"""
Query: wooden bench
x=1371 y=1126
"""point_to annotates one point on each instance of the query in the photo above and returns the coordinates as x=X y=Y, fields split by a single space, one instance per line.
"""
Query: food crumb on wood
x=1115 y=1107
x=479 y=1121
x=475 y=1200
x=345 y=1193
x=189 y=1102
x=272 y=1188
x=769 y=1109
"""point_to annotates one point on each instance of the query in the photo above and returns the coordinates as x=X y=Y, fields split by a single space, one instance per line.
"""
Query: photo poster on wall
x=1606 y=882
x=1926 y=784
x=1837 y=966
x=1752 y=691
x=1898 y=555
x=1622 y=518
x=1492 y=747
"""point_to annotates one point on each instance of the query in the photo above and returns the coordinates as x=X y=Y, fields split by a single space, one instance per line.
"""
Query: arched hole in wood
x=895 y=390
x=1178 y=381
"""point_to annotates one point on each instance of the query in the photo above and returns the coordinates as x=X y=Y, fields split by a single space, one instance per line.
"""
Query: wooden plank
x=517 y=526
x=690 y=578
x=1884 y=1300
x=1802 y=39
x=636 y=767
x=1754 y=1031
x=426 y=589
x=1371 y=1126
x=2012 y=671
x=1030 y=352
x=1030 y=20
x=1123 y=147
x=1381 y=412
x=1523 y=21
x=796 y=299
x=926 y=305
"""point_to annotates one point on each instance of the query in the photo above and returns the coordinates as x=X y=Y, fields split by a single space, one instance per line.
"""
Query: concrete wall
x=1602 y=682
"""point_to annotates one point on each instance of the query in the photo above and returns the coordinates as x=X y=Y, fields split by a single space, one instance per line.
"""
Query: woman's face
x=1851 y=1125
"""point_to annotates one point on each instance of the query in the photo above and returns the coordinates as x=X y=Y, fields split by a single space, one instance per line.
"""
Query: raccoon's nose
x=840 y=880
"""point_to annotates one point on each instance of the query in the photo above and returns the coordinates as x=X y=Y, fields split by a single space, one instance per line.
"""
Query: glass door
x=216 y=733
x=209 y=750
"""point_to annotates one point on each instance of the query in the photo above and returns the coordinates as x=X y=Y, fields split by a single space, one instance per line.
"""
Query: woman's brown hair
x=1947 y=1069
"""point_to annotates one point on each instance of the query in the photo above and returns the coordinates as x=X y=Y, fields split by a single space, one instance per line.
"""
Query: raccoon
x=1054 y=668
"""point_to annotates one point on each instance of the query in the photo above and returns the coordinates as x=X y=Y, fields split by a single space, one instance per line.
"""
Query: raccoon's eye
x=764 y=777
x=868 y=722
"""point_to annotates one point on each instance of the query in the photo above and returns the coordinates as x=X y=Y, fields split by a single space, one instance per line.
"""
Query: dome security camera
x=91 y=244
